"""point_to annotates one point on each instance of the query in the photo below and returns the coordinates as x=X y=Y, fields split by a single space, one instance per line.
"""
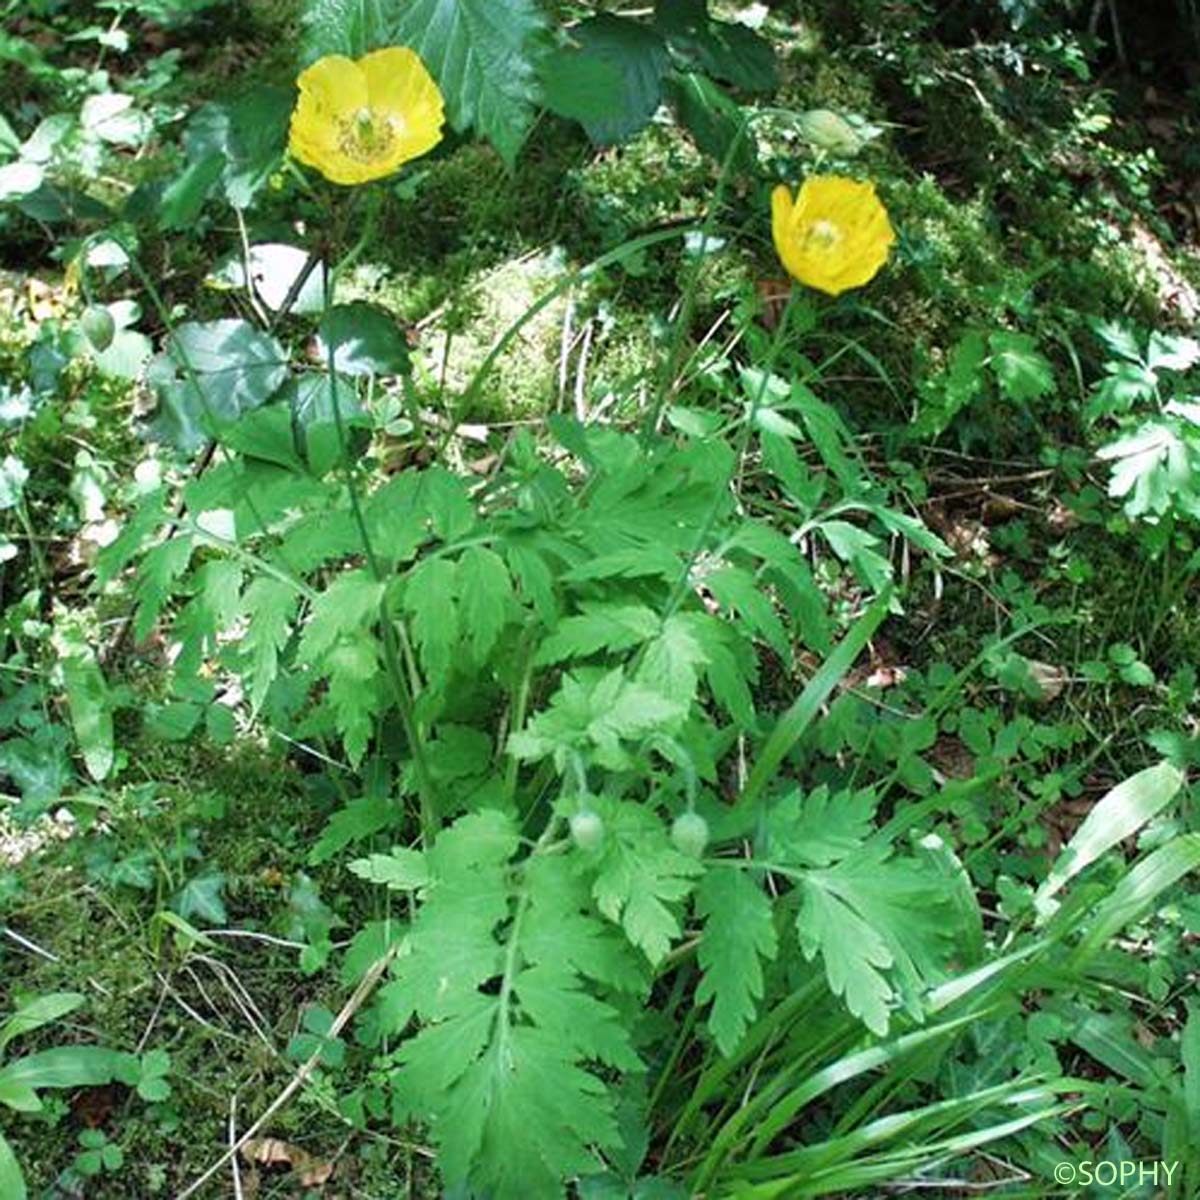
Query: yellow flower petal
x=358 y=121
x=835 y=236
x=333 y=84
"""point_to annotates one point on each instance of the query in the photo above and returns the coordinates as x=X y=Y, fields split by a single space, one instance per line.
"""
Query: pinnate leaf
x=641 y=877
x=738 y=933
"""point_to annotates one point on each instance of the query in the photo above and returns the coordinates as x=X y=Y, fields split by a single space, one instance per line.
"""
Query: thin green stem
x=679 y=591
x=391 y=655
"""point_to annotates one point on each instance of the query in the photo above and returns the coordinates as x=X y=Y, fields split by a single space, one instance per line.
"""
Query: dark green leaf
x=481 y=54
x=200 y=899
x=236 y=368
x=365 y=340
x=172 y=722
x=634 y=60
x=249 y=133
x=349 y=27
x=183 y=199
x=727 y=51
x=713 y=119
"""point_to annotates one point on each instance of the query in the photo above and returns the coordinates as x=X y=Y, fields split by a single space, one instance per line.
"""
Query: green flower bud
x=689 y=832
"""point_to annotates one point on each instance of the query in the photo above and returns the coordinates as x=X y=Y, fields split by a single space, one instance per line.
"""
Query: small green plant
x=60 y=1067
x=98 y=1155
x=1154 y=401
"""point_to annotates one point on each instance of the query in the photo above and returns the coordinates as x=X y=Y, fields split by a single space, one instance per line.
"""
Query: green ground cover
x=547 y=704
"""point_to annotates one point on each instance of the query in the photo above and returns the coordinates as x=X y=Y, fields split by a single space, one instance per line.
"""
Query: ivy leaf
x=738 y=933
x=481 y=54
x=1022 y=372
x=641 y=877
x=39 y=766
x=200 y=899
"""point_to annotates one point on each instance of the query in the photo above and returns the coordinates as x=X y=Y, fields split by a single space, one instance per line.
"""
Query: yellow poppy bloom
x=361 y=120
x=834 y=236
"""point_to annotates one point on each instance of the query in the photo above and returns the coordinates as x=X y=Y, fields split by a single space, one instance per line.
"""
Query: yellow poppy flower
x=834 y=236
x=361 y=120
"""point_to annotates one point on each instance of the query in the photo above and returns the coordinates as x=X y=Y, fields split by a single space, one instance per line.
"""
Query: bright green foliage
x=739 y=932
x=87 y=697
x=59 y=1068
x=1155 y=461
x=877 y=920
x=598 y=627
x=617 y=70
x=593 y=713
x=267 y=607
x=349 y=27
x=210 y=374
x=1022 y=372
x=486 y=590
x=819 y=827
x=628 y=57
x=402 y=869
x=500 y=1073
x=641 y=877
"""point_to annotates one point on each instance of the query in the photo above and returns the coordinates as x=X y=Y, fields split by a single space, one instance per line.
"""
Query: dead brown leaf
x=1049 y=680
x=276 y=1154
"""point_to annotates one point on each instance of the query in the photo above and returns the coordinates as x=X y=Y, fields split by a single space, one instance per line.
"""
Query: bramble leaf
x=481 y=54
